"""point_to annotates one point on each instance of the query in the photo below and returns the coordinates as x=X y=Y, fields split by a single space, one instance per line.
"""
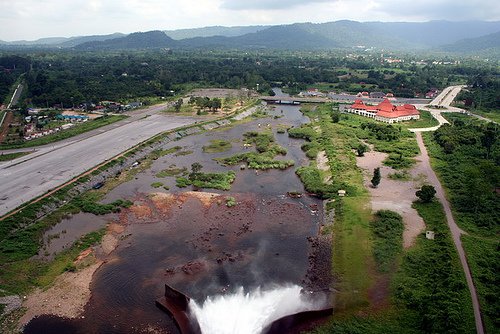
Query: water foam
x=249 y=313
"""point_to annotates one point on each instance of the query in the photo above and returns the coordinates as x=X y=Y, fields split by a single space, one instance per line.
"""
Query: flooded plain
x=191 y=240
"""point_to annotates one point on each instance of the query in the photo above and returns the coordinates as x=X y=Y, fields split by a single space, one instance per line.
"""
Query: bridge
x=293 y=100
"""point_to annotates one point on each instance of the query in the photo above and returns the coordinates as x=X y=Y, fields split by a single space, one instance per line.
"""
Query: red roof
x=387 y=109
x=358 y=104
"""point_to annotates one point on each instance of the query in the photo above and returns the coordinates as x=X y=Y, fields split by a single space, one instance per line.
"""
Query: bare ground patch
x=323 y=165
x=393 y=195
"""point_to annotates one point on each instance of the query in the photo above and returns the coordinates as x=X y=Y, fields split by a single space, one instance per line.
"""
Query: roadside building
x=377 y=95
x=385 y=111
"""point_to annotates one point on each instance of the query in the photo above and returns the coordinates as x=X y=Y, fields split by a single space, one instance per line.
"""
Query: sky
x=33 y=19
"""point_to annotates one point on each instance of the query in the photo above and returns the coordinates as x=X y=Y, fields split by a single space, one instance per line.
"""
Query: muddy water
x=64 y=234
x=198 y=249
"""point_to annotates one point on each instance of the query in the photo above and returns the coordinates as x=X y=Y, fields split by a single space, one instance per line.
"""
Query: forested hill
x=406 y=36
x=139 y=40
x=213 y=31
x=488 y=42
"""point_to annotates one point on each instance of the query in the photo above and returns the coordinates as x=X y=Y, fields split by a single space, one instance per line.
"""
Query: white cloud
x=31 y=19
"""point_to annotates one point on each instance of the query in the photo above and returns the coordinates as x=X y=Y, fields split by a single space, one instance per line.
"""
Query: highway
x=52 y=165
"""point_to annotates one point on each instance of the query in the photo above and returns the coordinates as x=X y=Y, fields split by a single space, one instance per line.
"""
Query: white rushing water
x=249 y=313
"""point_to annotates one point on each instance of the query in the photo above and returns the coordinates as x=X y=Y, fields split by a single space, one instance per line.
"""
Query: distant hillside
x=64 y=42
x=139 y=40
x=212 y=31
x=41 y=41
x=434 y=33
x=284 y=37
x=488 y=42
x=402 y=36
x=74 y=41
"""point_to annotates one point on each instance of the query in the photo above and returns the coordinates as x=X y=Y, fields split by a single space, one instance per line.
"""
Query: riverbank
x=70 y=292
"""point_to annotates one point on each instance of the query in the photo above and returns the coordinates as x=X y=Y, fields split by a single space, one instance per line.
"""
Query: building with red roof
x=385 y=111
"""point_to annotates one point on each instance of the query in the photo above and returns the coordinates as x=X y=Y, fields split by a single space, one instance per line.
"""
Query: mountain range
x=463 y=37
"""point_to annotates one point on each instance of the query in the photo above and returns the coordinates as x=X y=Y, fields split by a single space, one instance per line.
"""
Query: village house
x=385 y=111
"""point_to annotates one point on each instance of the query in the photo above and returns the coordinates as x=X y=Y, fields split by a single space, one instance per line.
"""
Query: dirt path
x=395 y=195
x=455 y=230
x=323 y=165
x=4 y=129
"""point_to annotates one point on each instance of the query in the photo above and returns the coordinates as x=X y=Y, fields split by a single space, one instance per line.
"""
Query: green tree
x=335 y=117
x=178 y=105
x=426 y=193
x=376 y=177
x=362 y=148
x=195 y=170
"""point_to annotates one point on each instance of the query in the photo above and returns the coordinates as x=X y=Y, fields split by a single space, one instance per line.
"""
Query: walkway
x=456 y=232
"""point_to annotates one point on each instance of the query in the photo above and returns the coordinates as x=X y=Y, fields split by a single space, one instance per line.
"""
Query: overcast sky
x=32 y=19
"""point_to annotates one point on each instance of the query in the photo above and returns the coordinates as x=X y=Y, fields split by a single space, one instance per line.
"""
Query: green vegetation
x=401 y=176
x=426 y=193
x=426 y=284
x=181 y=153
x=466 y=156
x=88 y=202
x=230 y=201
x=12 y=156
x=171 y=171
x=483 y=256
x=426 y=121
x=387 y=230
x=482 y=95
x=375 y=181
x=430 y=283
x=312 y=179
x=71 y=132
x=21 y=275
x=217 y=146
x=156 y=184
x=198 y=179
x=160 y=153
x=264 y=158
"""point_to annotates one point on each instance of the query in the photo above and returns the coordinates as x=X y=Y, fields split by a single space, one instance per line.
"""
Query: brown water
x=201 y=250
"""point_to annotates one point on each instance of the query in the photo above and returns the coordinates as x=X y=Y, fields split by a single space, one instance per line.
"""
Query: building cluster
x=376 y=95
x=31 y=131
x=385 y=111
x=312 y=92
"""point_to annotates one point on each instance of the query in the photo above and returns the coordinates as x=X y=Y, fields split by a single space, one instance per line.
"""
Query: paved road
x=456 y=232
x=24 y=179
x=133 y=116
x=15 y=96
x=440 y=104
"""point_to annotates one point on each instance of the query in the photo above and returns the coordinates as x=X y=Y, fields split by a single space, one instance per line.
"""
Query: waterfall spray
x=251 y=312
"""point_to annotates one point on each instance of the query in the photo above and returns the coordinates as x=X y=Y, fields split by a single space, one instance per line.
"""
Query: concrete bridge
x=294 y=100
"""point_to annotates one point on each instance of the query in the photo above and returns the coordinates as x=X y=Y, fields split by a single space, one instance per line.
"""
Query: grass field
x=12 y=156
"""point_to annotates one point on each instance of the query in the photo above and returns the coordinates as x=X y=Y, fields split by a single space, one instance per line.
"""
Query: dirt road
x=455 y=230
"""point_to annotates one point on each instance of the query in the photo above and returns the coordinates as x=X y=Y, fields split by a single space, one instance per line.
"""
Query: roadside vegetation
x=426 y=121
x=466 y=157
x=12 y=156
